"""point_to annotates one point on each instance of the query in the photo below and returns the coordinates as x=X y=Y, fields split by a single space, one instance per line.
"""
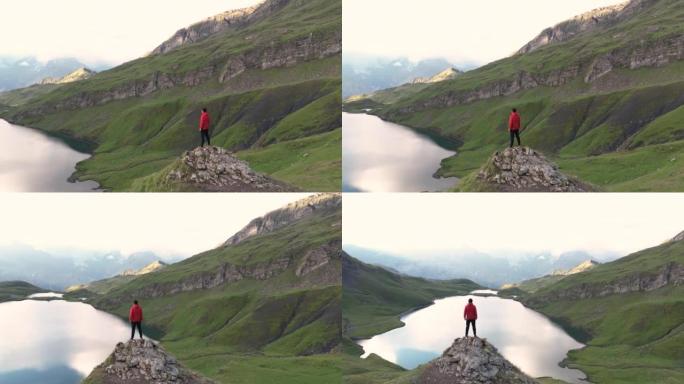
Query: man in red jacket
x=135 y=316
x=204 y=126
x=470 y=315
x=514 y=126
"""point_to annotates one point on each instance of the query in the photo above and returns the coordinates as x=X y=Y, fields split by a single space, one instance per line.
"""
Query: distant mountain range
x=57 y=270
x=602 y=95
x=22 y=72
x=363 y=74
x=489 y=270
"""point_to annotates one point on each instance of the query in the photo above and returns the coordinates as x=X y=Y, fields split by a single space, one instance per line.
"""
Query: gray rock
x=522 y=169
x=472 y=361
x=142 y=362
x=216 y=169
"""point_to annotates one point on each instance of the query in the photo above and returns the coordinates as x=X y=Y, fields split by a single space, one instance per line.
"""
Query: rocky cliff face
x=521 y=169
x=287 y=215
x=227 y=20
x=316 y=259
x=142 y=362
x=215 y=169
x=472 y=361
x=669 y=274
x=593 y=20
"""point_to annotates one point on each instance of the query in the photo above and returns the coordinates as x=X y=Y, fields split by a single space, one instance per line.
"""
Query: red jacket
x=204 y=121
x=470 y=312
x=514 y=122
x=135 y=315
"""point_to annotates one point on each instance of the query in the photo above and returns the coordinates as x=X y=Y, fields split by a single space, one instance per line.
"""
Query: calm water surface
x=525 y=337
x=55 y=342
x=31 y=161
x=379 y=156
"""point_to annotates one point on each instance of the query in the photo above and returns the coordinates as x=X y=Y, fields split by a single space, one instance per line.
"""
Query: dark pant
x=133 y=326
x=515 y=134
x=205 y=135
x=468 y=322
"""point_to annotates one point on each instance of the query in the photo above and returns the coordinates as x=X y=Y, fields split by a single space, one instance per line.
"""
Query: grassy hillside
x=272 y=89
x=251 y=312
x=634 y=336
x=620 y=131
x=16 y=290
x=373 y=301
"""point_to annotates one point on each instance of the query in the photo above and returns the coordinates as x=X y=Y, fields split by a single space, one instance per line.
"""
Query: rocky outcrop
x=142 y=362
x=284 y=216
x=654 y=54
x=522 y=169
x=472 y=361
x=77 y=75
x=231 y=19
x=215 y=169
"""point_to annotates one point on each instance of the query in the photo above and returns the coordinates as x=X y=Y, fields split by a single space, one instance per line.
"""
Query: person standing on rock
x=514 y=126
x=135 y=316
x=470 y=315
x=204 y=126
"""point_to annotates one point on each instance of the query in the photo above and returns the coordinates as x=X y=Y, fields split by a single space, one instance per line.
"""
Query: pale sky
x=495 y=223
x=165 y=223
x=96 y=31
x=459 y=30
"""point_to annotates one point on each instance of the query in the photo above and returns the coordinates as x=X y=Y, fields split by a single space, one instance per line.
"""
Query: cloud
x=492 y=223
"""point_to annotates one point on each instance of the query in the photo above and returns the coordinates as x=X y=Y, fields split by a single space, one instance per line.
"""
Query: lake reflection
x=55 y=341
x=526 y=338
x=31 y=161
x=380 y=156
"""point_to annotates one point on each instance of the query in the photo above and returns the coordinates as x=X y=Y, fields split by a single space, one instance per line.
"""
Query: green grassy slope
x=373 y=301
x=267 y=324
x=631 y=337
x=252 y=111
x=16 y=290
x=590 y=129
